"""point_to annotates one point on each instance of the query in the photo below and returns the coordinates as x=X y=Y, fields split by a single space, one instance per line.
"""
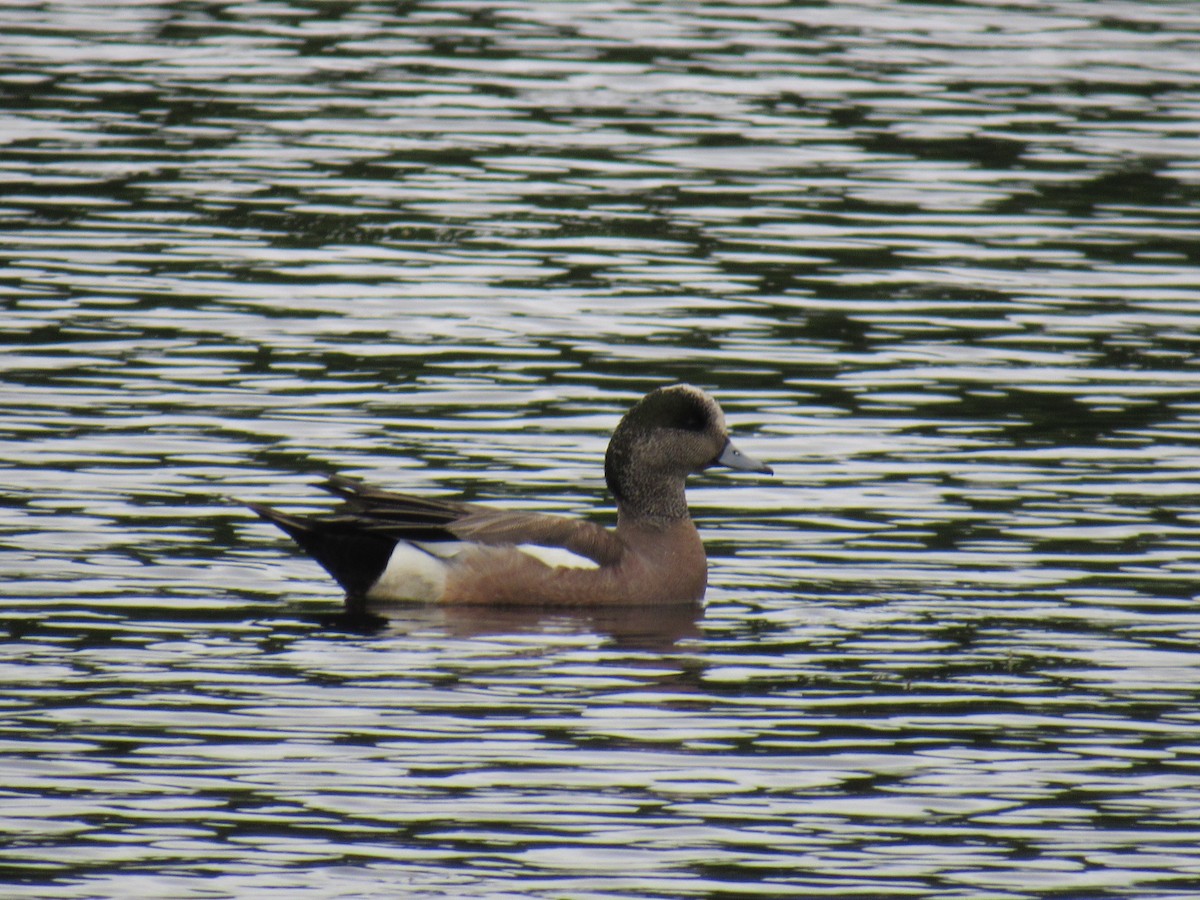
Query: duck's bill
x=734 y=458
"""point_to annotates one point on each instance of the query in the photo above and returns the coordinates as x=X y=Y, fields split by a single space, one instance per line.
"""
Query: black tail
x=354 y=556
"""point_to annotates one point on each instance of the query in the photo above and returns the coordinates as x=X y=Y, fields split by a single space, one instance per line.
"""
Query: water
x=938 y=262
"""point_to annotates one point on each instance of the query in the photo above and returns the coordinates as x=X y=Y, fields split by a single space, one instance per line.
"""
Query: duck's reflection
x=651 y=628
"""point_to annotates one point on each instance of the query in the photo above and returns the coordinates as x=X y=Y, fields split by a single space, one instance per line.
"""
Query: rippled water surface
x=939 y=263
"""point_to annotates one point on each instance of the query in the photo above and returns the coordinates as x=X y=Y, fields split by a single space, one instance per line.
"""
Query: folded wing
x=404 y=517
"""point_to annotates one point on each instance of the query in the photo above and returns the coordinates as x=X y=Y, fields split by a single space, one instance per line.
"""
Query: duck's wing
x=405 y=517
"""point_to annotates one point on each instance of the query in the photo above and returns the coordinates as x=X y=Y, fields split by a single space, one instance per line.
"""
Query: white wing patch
x=557 y=557
x=418 y=571
x=412 y=573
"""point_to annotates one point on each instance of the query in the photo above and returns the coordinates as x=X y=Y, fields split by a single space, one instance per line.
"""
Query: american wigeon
x=382 y=547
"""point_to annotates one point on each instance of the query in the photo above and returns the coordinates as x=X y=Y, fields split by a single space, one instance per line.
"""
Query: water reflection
x=651 y=629
x=940 y=259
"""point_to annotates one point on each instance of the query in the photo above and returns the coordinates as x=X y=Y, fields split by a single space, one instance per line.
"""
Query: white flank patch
x=411 y=574
x=557 y=557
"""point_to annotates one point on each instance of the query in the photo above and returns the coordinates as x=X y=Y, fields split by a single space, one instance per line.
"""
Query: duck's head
x=668 y=434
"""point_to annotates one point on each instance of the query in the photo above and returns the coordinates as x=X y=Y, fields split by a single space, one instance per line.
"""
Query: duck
x=383 y=547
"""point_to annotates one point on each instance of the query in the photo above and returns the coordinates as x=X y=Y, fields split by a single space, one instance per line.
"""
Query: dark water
x=940 y=264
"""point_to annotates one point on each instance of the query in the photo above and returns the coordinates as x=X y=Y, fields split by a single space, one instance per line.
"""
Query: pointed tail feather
x=353 y=556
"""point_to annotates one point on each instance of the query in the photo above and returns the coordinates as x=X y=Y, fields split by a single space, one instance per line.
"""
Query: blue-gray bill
x=734 y=458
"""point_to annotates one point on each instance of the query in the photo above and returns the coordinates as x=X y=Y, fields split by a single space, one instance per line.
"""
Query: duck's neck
x=660 y=502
